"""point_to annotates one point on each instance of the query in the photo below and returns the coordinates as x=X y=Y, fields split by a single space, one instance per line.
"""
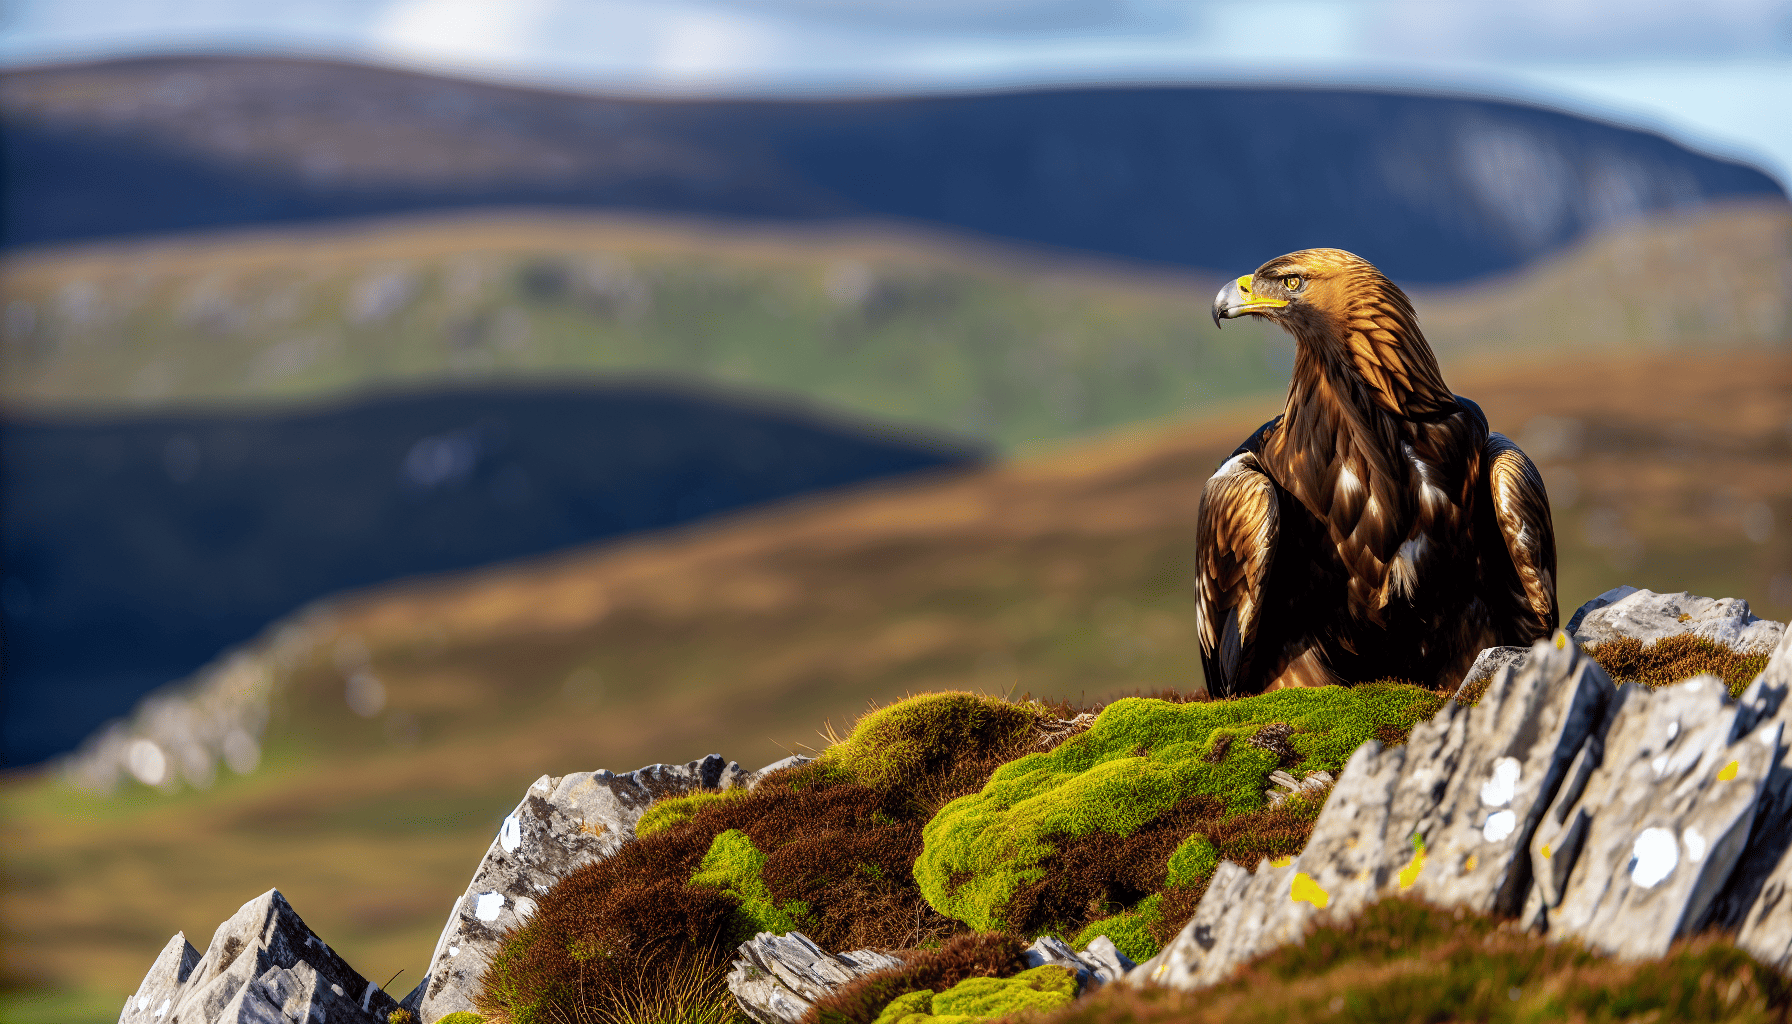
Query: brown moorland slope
x=1063 y=574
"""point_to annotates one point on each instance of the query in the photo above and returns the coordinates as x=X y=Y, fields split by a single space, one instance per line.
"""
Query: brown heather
x=1677 y=658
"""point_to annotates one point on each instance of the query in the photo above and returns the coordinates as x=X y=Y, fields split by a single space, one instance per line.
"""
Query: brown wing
x=1521 y=508
x=1235 y=544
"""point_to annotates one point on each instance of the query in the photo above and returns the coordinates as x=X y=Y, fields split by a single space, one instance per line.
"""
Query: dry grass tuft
x=1676 y=659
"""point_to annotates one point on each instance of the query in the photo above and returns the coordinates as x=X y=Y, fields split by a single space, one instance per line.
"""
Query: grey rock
x=1665 y=817
x=1758 y=899
x=1648 y=616
x=263 y=964
x=561 y=825
x=1604 y=600
x=776 y=979
x=1471 y=783
x=1489 y=661
x=156 y=995
x=1106 y=960
x=789 y=762
x=1289 y=786
x=1049 y=949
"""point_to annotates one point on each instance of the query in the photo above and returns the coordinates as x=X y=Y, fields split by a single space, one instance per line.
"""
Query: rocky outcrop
x=561 y=824
x=1097 y=965
x=1618 y=815
x=1647 y=616
x=263 y=966
x=777 y=978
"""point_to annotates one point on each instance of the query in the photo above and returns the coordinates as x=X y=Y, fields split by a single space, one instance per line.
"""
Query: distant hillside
x=1432 y=189
x=136 y=549
x=1000 y=342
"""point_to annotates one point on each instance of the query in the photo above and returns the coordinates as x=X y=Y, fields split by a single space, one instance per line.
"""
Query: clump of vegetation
x=1404 y=961
x=1059 y=839
x=1045 y=987
x=825 y=847
x=1676 y=659
x=961 y=958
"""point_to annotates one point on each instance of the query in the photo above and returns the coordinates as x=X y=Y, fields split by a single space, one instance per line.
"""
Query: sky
x=1716 y=74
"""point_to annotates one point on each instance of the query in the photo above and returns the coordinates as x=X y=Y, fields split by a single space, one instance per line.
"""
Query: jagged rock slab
x=156 y=996
x=1470 y=784
x=1665 y=816
x=778 y=978
x=1489 y=661
x=789 y=762
x=1105 y=960
x=263 y=965
x=1090 y=968
x=561 y=824
x=1757 y=901
x=1648 y=616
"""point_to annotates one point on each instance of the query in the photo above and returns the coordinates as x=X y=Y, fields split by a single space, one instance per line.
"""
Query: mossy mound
x=1046 y=987
x=1402 y=960
x=1676 y=659
x=999 y=859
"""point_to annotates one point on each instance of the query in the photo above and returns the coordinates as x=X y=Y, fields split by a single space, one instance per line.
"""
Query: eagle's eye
x=1292 y=283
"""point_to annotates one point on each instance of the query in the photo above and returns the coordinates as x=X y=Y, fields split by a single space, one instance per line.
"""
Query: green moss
x=1141 y=758
x=922 y=736
x=1046 y=987
x=734 y=865
x=1192 y=862
x=1130 y=930
x=674 y=810
x=463 y=1017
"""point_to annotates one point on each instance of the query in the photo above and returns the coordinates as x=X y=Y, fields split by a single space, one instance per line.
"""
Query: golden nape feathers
x=1376 y=528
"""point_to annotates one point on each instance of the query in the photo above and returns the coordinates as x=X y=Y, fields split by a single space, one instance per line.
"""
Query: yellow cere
x=1305 y=890
x=1728 y=771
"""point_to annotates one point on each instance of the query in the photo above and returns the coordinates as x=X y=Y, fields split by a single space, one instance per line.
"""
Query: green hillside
x=1011 y=345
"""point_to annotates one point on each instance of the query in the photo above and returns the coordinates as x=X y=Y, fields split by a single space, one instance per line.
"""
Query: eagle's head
x=1307 y=292
x=1345 y=312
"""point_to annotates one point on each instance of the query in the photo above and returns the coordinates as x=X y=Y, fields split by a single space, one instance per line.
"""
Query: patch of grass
x=1056 y=839
x=1404 y=961
x=1676 y=659
x=861 y=1001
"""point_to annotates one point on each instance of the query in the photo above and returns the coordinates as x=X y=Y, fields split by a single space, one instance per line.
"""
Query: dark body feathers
x=1377 y=528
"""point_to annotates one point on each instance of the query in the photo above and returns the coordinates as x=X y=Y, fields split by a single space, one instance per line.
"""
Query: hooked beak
x=1235 y=300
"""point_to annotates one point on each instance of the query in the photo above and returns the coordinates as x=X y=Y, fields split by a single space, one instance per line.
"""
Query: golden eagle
x=1376 y=528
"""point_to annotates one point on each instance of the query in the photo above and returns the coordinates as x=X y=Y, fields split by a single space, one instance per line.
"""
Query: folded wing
x=1235 y=545
x=1521 y=508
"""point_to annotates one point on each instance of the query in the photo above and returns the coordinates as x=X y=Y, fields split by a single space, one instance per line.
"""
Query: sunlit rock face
x=1619 y=815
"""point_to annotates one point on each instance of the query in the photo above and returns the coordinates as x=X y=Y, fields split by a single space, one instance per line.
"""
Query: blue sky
x=1716 y=74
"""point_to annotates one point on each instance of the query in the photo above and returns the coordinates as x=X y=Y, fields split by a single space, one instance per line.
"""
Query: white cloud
x=501 y=33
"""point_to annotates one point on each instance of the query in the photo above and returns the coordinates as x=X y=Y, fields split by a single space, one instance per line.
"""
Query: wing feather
x=1521 y=507
x=1235 y=543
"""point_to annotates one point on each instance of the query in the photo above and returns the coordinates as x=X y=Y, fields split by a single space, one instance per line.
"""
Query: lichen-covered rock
x=1489 y=661
x=263 y=966
x=560 y=825
x=1664 y=817
x=776 y=979
x=1757 y=901
x=1105 y=960
x=1647 y=616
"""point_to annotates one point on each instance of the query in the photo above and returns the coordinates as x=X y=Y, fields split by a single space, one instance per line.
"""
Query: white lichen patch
x=1653 y=857
x=1499 y=825
x=1498 y=789
x=488 y=905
